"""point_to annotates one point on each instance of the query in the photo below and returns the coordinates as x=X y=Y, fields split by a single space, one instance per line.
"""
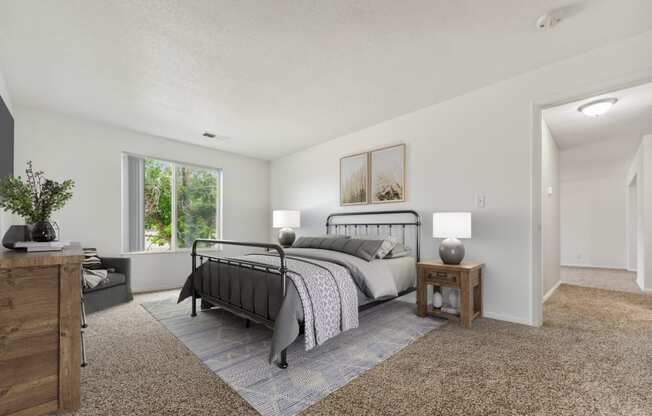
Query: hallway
x=610 y=279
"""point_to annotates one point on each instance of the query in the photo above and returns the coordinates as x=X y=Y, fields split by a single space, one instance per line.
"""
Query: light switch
x=480 y=200
x=550 y=190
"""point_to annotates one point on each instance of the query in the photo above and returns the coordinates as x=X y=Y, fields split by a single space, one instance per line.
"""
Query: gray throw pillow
x=364 y=249
x=323 y=242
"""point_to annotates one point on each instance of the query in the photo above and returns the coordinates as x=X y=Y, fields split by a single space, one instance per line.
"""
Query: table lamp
x=286 y=220
x=452 y=226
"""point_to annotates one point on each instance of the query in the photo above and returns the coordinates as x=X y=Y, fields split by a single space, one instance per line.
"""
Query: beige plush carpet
x=611 y=279
x=593 y=356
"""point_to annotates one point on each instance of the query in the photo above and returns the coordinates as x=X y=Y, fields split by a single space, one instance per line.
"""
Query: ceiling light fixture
x=598 y=107
x=549 y=20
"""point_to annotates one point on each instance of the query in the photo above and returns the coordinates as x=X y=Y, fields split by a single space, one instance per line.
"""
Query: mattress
x=404 y=272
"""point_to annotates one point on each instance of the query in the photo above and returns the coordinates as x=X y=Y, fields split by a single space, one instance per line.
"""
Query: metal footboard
x=198 y=259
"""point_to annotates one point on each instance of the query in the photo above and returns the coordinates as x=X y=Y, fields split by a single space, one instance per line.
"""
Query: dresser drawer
x=25 y=338
x=28 y=382
x=443 y=277
x=30 y=293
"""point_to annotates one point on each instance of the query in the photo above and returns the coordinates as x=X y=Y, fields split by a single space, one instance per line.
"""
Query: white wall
x=5 y=218
x=90 y=154
x=4 y=92
x=593 y=223
x=593 y=201
x=481 y=142
x=640 y=171
x=550 y=210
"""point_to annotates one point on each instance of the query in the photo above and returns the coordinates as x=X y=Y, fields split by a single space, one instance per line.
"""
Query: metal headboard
x=379 y=226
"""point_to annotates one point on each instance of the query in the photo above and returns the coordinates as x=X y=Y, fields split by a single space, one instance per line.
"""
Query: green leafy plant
x=195 y=203
x=36 y=198
x=158 y=202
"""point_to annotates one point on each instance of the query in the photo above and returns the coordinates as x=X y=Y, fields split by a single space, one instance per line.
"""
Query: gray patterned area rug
x=238 y=355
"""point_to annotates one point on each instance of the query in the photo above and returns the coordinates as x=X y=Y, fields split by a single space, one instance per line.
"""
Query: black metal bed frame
x=378 y=225
x=207 y=300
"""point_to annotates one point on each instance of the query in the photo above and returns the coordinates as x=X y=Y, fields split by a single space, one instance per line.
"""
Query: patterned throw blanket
x=327 y=292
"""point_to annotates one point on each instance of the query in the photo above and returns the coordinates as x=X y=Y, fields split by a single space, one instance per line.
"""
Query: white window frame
x=173 y=239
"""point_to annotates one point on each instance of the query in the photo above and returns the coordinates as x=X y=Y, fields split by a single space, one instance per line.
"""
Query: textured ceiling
x=278 y=76
x=629 y=118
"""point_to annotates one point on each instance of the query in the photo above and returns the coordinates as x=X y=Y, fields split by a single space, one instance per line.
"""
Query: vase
x=43 y=232
x=15 y=234
x=453 y=299
x=437 y=300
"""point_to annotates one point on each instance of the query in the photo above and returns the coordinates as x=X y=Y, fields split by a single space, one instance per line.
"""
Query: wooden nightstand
x=467 y=277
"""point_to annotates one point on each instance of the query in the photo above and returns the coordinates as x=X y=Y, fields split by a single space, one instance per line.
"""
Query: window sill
x=178 y=251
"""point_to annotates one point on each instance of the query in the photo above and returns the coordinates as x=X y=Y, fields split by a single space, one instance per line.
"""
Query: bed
x=315 y=287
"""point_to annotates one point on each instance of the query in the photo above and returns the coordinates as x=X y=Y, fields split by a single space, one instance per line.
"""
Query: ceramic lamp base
x=286 y=237
x=451 y=251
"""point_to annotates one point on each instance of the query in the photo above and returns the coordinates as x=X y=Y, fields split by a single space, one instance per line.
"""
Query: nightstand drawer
x=442 y=276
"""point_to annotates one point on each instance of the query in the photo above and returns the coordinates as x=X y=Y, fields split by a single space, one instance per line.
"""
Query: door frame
x=536 y=107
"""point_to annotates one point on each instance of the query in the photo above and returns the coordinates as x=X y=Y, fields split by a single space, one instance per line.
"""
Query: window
x=168 y=205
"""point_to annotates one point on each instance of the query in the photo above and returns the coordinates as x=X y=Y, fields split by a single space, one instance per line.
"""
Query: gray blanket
x=321 y=293
x=373 y=278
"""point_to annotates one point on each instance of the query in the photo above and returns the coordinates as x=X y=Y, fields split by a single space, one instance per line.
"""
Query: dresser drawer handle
x=443 y=276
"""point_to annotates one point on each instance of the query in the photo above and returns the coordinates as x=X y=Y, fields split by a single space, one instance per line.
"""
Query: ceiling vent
x=214 y=136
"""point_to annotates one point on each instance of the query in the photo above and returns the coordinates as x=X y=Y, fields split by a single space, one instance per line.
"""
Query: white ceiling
x=630 y=117
x=278 y=76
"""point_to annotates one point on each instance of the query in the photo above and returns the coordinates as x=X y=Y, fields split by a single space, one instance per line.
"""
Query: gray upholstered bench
x=115 y=290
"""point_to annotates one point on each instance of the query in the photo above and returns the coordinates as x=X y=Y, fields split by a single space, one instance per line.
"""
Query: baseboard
x=587 y=266
x=550 y=292
x=148 y=291
x=505 y=317
x=644 y=290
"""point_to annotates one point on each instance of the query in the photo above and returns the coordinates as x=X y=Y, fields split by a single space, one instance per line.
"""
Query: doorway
x=589 y=200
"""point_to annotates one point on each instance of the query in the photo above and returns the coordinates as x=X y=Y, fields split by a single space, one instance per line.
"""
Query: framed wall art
x=354 y=179
x=387 y=174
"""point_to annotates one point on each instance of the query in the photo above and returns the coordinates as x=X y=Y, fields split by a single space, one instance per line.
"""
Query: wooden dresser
x=39 y=331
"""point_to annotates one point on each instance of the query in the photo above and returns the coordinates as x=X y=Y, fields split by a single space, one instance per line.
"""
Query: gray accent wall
x=6 y=140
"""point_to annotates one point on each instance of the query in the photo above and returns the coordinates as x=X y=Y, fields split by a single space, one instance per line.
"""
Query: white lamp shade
x=451 y=225
x=286 y=218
